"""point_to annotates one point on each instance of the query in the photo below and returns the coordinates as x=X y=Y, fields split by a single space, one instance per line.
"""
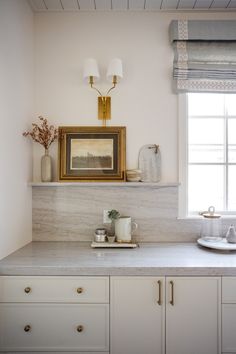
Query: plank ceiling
x=122 y=5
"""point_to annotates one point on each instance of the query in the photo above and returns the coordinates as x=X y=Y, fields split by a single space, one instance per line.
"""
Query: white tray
x=113 y=245
x=218 y=245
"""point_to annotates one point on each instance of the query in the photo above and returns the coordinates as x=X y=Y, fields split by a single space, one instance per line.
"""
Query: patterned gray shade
x=204 y=56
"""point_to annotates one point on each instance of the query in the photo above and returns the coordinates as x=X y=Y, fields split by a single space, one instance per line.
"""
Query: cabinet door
x=228 y=328
x=192 y=315
x=137 y=315
x=228 y=314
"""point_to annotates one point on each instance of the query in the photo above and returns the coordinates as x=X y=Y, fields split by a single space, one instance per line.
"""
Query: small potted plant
x=45 y=135
x=113 y=215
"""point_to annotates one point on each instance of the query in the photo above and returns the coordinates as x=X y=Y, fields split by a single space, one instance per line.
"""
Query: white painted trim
x=183 y=162
x=183 y=155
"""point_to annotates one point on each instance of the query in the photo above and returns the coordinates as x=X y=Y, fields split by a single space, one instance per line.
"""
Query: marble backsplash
x=71 y=213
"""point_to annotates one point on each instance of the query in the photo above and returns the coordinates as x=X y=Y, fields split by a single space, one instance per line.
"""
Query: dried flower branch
x=43 y=134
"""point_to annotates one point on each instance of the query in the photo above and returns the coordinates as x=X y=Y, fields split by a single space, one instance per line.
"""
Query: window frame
x=183 y=211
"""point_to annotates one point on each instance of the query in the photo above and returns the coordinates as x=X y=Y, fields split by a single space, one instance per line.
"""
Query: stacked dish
x=133 y=175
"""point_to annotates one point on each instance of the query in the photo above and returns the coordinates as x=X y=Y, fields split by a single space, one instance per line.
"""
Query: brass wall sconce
x=91 y=75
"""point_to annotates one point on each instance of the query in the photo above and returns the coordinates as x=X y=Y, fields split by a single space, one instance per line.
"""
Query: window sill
x=199 y=217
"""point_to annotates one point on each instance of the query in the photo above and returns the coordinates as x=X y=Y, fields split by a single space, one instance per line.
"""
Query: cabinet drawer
x=54 y=289
x=229 y=290
x=54 y=327
x=228 y=328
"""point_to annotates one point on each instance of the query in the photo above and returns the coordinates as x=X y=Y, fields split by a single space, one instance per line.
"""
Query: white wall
x=16 y=107
x=143 y=101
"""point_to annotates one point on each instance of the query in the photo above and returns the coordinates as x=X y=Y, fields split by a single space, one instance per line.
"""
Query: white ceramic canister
x=124 y=228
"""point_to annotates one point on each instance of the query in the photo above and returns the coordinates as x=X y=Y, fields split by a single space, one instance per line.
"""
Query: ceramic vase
x=46 y=167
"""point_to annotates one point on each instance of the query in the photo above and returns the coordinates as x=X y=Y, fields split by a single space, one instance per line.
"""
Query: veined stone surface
x=73 y=213
x=151 y=259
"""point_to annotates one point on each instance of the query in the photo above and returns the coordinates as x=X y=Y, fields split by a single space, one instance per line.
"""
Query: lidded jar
x=211 y=225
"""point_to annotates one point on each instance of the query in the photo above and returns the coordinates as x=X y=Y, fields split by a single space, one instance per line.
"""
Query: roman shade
x=204 y=56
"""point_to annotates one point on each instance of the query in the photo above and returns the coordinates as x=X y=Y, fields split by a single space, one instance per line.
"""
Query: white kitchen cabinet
x=137 y=315
x=228 y=328
x=54 y=289
x=54 y=327
x=228 y=315
x=229 y=290
x=54 y=314
x=191 y=325
x=193 y=315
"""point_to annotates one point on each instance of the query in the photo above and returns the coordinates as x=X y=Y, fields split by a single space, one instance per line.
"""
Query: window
x=209 y=169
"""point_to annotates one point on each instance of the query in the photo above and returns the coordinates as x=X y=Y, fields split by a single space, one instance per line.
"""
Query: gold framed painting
x=92 y=154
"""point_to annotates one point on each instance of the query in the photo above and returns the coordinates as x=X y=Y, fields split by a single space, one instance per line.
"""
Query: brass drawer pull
x=27 y=328
x=172 y=292
x=80 y=328
x=27 y=290
x=80 y=290
x=159 y=301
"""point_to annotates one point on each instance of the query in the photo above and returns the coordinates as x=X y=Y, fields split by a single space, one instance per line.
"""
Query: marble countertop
x=75 y=258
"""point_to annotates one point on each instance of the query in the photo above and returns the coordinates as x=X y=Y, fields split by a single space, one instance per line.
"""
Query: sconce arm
x=112 y=88
x=99 y=92
x=114 y=81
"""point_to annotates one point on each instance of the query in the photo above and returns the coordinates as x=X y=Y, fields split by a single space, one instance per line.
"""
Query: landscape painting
x=91 y=154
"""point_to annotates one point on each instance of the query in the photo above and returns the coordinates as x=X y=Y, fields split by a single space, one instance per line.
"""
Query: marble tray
x=218 y=245
x=113 y=245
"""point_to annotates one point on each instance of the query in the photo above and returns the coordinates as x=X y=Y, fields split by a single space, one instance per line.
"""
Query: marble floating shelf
x=104 y=184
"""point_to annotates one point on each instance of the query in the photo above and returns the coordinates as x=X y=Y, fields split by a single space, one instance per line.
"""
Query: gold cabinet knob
x=80 y=328
x=27 y=328
x=80 y=290
x=27 y=290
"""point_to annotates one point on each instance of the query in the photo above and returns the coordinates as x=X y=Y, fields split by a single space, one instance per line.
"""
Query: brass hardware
x=104 y=101
x=27 y=290
x=80 y=328
x=80 y=290
x=159 y=301
x=172 y=293
x=104 y=108
x=27 y=328
x=91 y=81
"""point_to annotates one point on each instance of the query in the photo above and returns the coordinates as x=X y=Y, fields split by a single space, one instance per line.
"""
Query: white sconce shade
x=91 y=69
x=115 y=69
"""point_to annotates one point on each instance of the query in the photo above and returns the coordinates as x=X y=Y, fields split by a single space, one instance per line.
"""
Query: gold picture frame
x=92 y=154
